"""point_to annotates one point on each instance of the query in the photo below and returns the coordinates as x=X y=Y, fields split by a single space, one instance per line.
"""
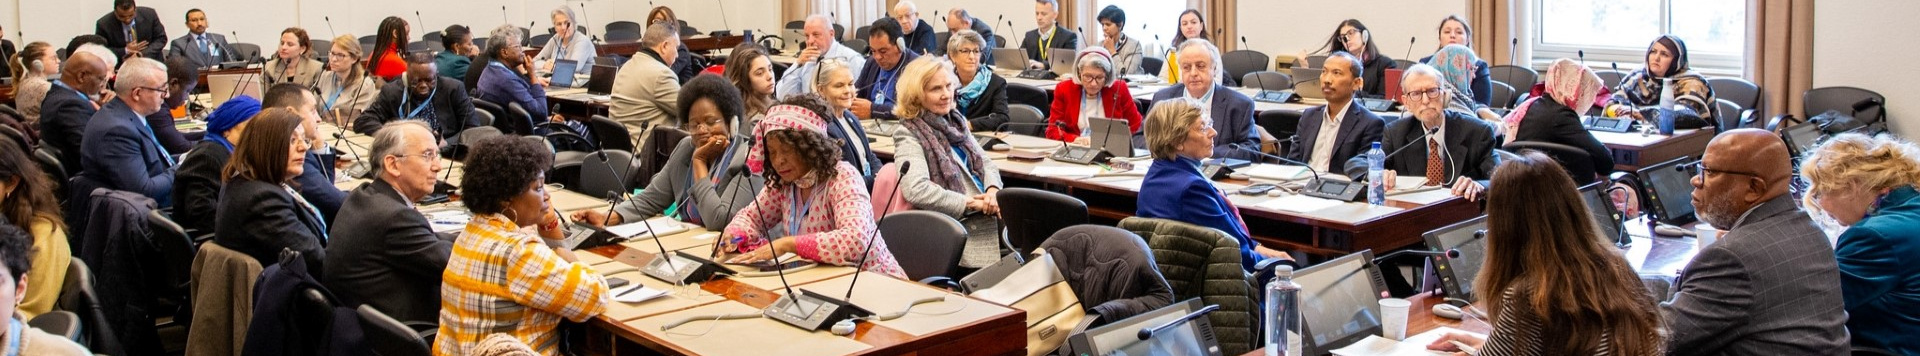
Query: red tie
x=1435 y=170
x=1236 y=212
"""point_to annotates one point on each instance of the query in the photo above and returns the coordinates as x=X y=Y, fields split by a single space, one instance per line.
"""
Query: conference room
x=1007 y=177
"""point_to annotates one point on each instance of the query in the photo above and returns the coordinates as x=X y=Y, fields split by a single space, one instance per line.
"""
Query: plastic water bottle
x=1376 y=175
x=1283 y=313
x=1665 y=122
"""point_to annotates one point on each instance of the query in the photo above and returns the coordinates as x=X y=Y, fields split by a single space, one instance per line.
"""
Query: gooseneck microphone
x=1310 y=169
x=1410 y=42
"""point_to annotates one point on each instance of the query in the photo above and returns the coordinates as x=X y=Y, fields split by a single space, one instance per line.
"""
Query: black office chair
x=609 y=134
x=1152 y=64
x=390 y=337
x=1030 y=95
x=1023 y=114
x=1240 y=62
x=434 y=36
x=857 y=45
x=516 y=121
x=1843 y=99
x=1516 y=76
x=1503 y=95
x=541 y=40
x=1282 y=124
x=622 y=36
x=247 y=50
x=628 y=26
x=1267 y=80
x=320 y=49
x=177 y=248
x=78 y=296
x=1727 y=114
x=653 y=154
x=1611 y=78
x=603 y=178
x=1033 y=215
x=927 y=244
x=58 y=322
x=420 y=46
x=1739 y=91
x=861 y=33
x=1578 y=164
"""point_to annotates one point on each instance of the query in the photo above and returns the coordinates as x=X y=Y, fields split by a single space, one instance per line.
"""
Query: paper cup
x=1704 y=235
x=1393 y=321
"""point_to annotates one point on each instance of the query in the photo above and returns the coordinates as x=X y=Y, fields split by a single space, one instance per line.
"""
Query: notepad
x=1065 y=171
x=1415 y=345
x=1299 y=203
x=1277 y=172
x=661 y=226
x=628 y=294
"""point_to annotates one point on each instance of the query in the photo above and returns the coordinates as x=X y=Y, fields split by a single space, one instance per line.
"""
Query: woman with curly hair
x=814 y=205
x=1868 y=184
x=501 y=279
x=705 y=177
x=948 y=171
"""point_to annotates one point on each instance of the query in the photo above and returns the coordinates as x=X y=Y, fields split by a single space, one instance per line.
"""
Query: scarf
x=1644 y=86
x=940 y=134
x=780 y=117
x=230 y=114
x=970 y=94
x=1568 y=83
x=1456 y=63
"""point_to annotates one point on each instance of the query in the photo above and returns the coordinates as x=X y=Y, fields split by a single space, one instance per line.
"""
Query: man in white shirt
x=821 y=45
x=1328 y=136
x=207 y=50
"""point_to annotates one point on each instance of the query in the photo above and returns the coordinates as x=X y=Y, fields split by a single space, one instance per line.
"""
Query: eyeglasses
x=968 y=51
x=1350 y=33
x=429 y=155
x=1423 y=95
x=1699 y=168
x=163 y=90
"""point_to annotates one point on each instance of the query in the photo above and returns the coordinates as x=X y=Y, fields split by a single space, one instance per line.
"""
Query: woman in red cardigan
x=1095 y=91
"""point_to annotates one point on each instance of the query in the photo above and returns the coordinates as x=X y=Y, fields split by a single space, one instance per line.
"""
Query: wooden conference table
x=958 y=326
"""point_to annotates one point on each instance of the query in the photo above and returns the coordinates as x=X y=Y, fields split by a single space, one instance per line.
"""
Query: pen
x=1456 y=343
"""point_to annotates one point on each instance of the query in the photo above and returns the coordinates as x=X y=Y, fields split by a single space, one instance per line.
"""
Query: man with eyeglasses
x=1770 y=285
x=875 y=94
x=1453 y=148
x=1232 y=112
x=389 y=256
x=119 y=151
x=919 y=35
x=821 y=43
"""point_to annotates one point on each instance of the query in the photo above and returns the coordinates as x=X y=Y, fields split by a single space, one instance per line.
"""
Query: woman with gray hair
x=566 y=44
x=502 y=82
x=982 y=95
x=1093 y=92
x=1179 y=137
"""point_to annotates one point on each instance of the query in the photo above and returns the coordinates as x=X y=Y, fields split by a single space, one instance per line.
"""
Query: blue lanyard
x=796 y=216
x=977 y=184
x=83 y=96
x=686 y=196
x=315 y=211
x=338 y=88
x=406 y=94
x=13 y=336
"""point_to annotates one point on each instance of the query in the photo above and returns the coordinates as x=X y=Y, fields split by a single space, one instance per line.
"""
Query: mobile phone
x=616 y=282
x=768 y=266
x=1258 y=189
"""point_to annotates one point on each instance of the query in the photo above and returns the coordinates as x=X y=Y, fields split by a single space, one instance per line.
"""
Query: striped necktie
x=1436 y=170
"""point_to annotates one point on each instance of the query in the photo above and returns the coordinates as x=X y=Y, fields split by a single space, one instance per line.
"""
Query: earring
x=510 y=213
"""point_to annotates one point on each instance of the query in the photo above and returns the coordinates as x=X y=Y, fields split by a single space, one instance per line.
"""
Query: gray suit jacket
x=1770 y=286
x=385 y=254
x=715 y=203
x=186 y=46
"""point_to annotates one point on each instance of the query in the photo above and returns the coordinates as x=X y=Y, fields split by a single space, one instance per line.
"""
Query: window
x=1145 y=19
x=1619 y=31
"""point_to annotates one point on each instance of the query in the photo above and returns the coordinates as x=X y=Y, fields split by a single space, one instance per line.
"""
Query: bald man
x=75 y=96
x=919 y=34
x=1770 y=285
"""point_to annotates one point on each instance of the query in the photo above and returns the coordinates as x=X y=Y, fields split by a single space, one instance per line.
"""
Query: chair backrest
x=1240 y=62
x=1202 y=262
x=600 y=177
x=50 y=163
x=654 y=153
x=419 y=46
x=1033 y=215
x=1578 y=164
x=1104 y=264
x=1023 y=114
x=1611 y=77
x=609 y=134
x=78 y=296
x=629 y=26
x=434 y=36
x=998 y=41
x=1728 y=114
x=541 y=40
x=1282 y=124
x=1516 y=76
x=1030 y=95
x=1502 y=95
x=839 y=31
x=1315 y=61
x=858 y=45
x=247 y=49
x=516 y=121
x=1739 y=91
x=389 y=337
x=542 y=141
x=861 y=32
x=320 y=49
x=1819 y=100
x=1152 y=64
x=176 y=253
x=926 y=243
x=1267 y=80
x=1403 y=63
x=622 y=36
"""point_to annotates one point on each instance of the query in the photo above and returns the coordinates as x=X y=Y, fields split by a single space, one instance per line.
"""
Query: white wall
x=1292 y=27
x=1018 y=11
x=257 y=21
x=1850 y=49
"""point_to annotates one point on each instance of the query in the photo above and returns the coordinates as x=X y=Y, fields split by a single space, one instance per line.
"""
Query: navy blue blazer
x=120 y=153
x=1063 y=38
x=920 y=38
x=147 y=27
x=1359 y=129
x=1232 y=117
x=847 y=142
x=1175 y=190
x=63 y=121
x=870 y=73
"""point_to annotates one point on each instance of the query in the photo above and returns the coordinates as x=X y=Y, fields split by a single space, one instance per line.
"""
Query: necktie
x=1435 y=169
x=1233 y=209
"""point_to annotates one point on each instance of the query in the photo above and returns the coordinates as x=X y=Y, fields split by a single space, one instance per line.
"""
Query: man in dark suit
x=389 y=256
x=72 y=100
x=874 y=95
x=118 y=150
x=1047 y=35
x=1232 y=112
x=1462 y=144
x=132 y=30
x=207 y=50
x=1770 y=285
x=316 y=179
x=421 y=94
x=919 y=34
x=958 y=19
x=1329 y=135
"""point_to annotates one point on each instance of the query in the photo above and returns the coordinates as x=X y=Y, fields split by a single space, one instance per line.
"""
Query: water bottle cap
x=1283 y=271
x=1376 y=144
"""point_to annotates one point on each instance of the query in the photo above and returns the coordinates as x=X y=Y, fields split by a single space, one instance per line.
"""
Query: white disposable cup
x=1393 y=320
x=1705 y=235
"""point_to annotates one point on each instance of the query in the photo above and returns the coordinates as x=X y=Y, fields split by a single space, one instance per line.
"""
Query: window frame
x=1628 y=59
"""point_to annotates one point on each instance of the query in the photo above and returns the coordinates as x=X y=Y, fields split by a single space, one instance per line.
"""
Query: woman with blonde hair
x=345 y=89
x=948 y=173
x=1868 y=185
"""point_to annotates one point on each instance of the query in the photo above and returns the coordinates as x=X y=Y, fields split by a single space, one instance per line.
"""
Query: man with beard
x=1770 y=285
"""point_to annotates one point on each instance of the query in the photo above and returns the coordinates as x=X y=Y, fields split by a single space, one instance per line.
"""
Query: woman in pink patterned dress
x=813 y=205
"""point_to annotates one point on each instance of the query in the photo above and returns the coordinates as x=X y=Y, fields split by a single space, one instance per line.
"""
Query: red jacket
x=1066 y=109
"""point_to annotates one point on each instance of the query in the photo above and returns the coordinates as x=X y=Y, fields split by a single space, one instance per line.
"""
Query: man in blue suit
x=207 y=50
x=71 y=101
x=119 y=150
x=1232 y=112
x=1329 y=135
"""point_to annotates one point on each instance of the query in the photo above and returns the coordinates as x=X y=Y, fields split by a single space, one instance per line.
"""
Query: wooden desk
x=1632 y=150
x=710 y=43
x=577 y=103
x=701 y=44
x=1000 y=332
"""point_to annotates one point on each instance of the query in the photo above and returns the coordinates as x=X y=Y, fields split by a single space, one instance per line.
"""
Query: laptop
x=1339 y=302
x=563 y=71
x=1113 y=136
x=1307 y=89
x=601 y=82
x=1613 y=226
x=1457 y=269
x=1060 y=60
x=1669 y=190
x=1194 y=338
x=222 y=87
x=1009 y=59
x=614 y=60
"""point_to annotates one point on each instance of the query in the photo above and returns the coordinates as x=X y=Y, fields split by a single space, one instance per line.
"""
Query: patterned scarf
x=970 y=94
x=780 y=117
x=1456 y=63
x=1568 y=83
x=1643 y=87
x=939 y=135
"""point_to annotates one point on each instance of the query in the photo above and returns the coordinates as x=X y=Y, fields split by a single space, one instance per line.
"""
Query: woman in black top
x=1553 y=117
x=260 y=211
x=1352 y=37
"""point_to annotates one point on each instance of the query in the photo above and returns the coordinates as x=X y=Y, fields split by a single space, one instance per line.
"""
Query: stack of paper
x=1415 y=345
x=1277 y=172
x=661 y=226
x=1299 y=203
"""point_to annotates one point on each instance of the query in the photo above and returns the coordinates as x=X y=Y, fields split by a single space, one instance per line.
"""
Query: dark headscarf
x=230 y=114
x=1679 y=49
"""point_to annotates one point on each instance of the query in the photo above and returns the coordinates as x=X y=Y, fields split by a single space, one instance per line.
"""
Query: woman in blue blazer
x=1867 y=184
x=1175 y=190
